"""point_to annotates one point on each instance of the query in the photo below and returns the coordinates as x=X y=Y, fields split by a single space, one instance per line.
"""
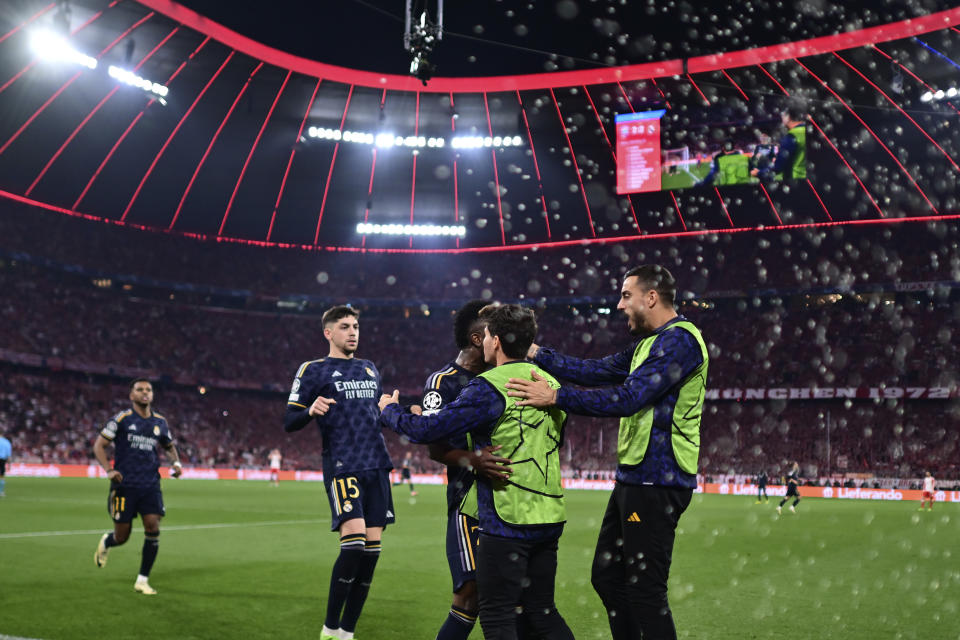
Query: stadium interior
x=193 y=230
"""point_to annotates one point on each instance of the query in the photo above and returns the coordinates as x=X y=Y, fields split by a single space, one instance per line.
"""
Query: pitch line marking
x=186 y=527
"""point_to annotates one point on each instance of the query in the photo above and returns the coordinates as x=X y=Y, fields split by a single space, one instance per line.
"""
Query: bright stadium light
x=926 y=97
x=369 y=228
x=389 y=140
x=50 y=46
x=132 y=79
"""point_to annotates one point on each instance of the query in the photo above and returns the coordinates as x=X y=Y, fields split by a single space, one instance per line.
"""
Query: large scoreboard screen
x=638 y=151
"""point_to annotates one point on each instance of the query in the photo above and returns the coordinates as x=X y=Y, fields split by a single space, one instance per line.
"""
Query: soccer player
x=521 y=519
x=405 y=475
x=135 y=477
x=5 y=451
x=793 y=489
x=762 y=486
x=791 y=160
x=657 y=387
x=928 y=487
x=275 y=458
x=463 y=529
x=340 y=393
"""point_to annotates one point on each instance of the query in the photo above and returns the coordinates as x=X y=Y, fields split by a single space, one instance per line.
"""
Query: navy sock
x=796 y=502
x=110 y=541
x=782 y=502
x=343 y=576
x=458 y=625
x=151 y=545
x=361 y=586
x=411 y=487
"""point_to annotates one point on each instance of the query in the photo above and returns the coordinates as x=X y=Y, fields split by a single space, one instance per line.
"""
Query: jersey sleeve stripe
x=297 y=404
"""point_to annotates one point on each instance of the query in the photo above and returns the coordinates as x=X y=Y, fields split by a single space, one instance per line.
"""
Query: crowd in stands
x=69 y=338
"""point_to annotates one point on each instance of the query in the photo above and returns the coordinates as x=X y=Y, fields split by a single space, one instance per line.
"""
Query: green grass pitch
x=246 y=560
x=682 y=179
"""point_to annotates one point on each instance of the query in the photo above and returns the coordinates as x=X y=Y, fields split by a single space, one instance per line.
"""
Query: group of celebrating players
x=495 y=415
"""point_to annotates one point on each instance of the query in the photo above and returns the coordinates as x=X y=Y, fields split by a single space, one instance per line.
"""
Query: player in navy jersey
x=340 y=393
x=656 y=386
x=135 y=477
x=793 y=489
x=463 y=531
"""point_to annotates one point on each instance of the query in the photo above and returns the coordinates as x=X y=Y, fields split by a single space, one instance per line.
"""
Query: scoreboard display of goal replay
x=645 y=162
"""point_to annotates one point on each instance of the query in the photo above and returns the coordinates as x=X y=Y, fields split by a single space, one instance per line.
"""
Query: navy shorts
x=792 y=490
x=463 y=536
x=360 y=494
x=124 y=503
x=405 y=473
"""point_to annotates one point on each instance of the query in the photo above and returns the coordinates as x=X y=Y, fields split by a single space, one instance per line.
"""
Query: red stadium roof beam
x=772 y=207
x=293 y=152
x=724 y=205
x=91 y=114
x=576 y=167
x=695 y=86
x=70 y=82
x=676 y=206
x=605 y=75
x=72 y=33
x=872 y=133
x=413 y=185
x=213 y=141
x=456 y=195
x=905 y=114
x=173 y=133
x=373 y=167
x=844 y=160
x=496 y=174
x=820 y=200
x=775 y=81
x=536 y=164
x=130 y=126
x=28 y=21
x=256 y=142
x=735 y=85
x=326 y=187
x=612 y=152
x=366 y=209
x=488 y=249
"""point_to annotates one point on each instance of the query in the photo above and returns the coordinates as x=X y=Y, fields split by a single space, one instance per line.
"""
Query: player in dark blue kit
x=793 y=489
x=135 y=478
x=340 y=392
x=521 y=518
x=762 y=486
x=463 y=530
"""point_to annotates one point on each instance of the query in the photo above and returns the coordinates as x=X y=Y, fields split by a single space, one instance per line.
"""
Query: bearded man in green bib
x=522 y=517
x=656 y=386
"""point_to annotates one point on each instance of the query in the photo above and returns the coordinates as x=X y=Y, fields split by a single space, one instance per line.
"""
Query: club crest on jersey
x=156 y=429
x=432 y=401
x=370 y=372
x=296 y=386
x=347 y=506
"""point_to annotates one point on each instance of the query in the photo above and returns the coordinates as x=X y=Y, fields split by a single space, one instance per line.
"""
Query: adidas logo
x=335 y=374
x=633 y=517
x=389 y=513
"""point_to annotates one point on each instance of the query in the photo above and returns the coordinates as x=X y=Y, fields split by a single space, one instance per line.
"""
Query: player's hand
x=532 y=393
x=754 y=172
x=386 y=400
x=321 y=406
x=176 y=469
x=114 y=476
x=532 y=351
x=416 y=410
x=490 y=466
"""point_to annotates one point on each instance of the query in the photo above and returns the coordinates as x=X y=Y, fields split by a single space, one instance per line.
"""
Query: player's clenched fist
x=387 y=399
x=321 y=405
